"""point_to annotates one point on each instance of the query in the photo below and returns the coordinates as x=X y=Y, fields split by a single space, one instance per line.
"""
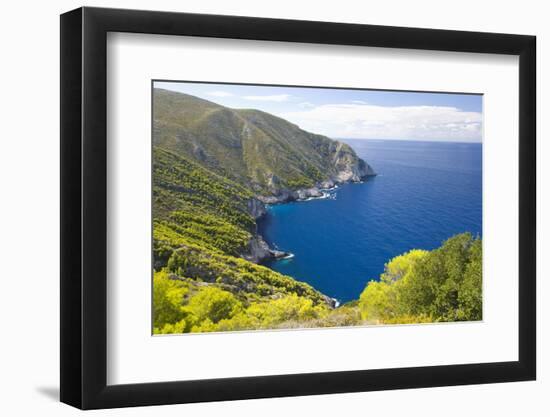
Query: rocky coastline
x=351 y=173
x=258 y=250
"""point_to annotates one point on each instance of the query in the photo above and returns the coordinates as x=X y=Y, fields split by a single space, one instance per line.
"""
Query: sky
x=354 y=114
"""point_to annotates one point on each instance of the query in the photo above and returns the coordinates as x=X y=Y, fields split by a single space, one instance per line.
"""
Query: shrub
x=441 y=285
x=168 y=298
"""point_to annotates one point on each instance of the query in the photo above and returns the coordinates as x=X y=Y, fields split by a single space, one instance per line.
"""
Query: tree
x=441 y=285
x=214 y=304
x=167 y=300
x=383 y=300
x=470 y=295
x=285 y=309
x=438 y=281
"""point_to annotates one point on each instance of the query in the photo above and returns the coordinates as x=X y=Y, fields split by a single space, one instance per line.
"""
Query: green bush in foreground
x=168 y=296
x=182 y=306
x=416 y=287
x=422 y=286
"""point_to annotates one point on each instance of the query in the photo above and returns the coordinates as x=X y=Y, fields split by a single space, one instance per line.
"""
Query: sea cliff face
x=348 y=168
x=259 y=251
x=256 y=208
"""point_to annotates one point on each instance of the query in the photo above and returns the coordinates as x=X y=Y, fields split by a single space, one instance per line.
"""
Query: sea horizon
x=409 y=140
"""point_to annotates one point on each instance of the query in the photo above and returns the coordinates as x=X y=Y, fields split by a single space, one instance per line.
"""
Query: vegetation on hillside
x=181 y=184
x=194 y=206
x=417 y=287
x=258 y=150
x=208 y=164
x=201 y=228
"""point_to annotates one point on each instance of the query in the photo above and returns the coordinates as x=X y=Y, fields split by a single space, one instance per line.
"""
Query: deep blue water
x=425 y=192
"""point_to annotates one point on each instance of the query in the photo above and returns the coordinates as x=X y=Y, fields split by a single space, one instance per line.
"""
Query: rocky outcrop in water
x=350 y=169
x=259 y=251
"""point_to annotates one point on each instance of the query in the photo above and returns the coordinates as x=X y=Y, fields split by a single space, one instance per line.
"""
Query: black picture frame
x=84 y=207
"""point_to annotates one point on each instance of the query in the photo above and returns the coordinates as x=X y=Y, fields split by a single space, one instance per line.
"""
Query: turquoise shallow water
x=425 y=192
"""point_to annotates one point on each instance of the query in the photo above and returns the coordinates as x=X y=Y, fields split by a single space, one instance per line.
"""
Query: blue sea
x=424 y=193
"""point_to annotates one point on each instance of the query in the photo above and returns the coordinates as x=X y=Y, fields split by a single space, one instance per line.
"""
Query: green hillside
x=263 y=152
x=202 y=226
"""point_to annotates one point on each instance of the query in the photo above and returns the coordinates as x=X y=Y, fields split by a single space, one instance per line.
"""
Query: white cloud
x=219 y=94
x=379 y=122
x=276 y=97
x=306 y=105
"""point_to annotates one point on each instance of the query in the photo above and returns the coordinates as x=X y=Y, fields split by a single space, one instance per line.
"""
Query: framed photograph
x=257 y=208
